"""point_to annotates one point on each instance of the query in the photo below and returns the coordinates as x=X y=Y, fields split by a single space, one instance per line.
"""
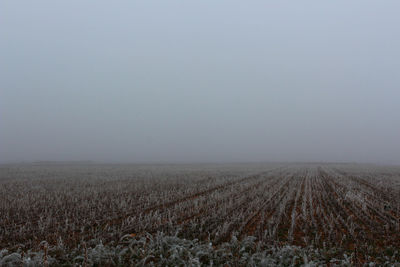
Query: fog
x=200 y=81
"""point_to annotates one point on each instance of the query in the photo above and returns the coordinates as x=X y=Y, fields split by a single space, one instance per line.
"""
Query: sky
x=200 y=81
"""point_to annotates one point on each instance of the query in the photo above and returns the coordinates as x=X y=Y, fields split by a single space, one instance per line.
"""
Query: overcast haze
x=187 y=81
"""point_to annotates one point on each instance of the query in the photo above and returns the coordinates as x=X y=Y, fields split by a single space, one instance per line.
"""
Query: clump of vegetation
x=162 y=250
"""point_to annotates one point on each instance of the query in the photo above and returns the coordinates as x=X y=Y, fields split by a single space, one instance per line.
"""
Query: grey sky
x=139 y=81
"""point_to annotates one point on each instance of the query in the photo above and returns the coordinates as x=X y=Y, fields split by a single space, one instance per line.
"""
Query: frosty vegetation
x=199 y=215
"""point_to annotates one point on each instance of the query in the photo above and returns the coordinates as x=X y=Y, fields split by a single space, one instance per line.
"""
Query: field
x=234 y=214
